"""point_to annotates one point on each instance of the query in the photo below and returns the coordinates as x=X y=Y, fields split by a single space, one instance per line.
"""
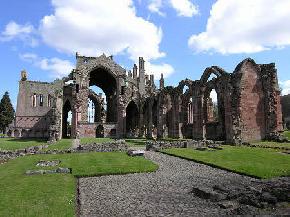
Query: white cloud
x=93 y=27
x=184 y=8
x=285 y=85
x=58 y=67
x=157 y=69
x=244 y=26
x=17 y=31
x=155 y=6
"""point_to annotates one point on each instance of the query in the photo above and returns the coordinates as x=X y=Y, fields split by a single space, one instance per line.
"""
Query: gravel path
x=166 y=192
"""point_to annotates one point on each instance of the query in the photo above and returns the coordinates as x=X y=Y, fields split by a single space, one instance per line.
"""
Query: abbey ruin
x=247 y=108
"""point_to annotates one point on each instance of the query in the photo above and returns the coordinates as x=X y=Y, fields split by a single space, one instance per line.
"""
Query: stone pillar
x=198 y=130
x=141 y=76
x=150 y=122
x=121 y=126
x=135 y=69
x=161 y=82
x=159 y=119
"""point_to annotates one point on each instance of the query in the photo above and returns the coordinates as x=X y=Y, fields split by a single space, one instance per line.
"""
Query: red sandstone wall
x=252 y=110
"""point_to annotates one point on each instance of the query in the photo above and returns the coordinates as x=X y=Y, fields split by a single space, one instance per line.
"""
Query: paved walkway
x=166 y=192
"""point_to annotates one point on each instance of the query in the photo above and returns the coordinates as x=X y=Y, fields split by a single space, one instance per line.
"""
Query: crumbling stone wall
x=36 y=105
x=248 y=102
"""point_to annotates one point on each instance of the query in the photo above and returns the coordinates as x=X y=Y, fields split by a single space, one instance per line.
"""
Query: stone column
x=150 y=122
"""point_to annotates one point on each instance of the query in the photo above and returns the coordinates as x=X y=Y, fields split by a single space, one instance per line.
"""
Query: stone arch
x=17 y=133
x=214 y=129
x=132 y=118
x=214 y=70
x=100 y=131
x=106 y=80
x=66 y=128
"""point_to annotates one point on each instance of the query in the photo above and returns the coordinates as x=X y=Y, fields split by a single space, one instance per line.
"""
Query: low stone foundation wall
x=119 y=145
x=7 y=155
x=159 y=145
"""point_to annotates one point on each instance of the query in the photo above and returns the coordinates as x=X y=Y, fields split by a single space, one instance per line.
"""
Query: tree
x=6 y=112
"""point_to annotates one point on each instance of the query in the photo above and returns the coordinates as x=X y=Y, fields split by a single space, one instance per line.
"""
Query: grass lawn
x=287 y=134
x=61 y=145
x=258 y=162
x=13 y=144
x=96 y=140
x=136 y=142
x=54 y=194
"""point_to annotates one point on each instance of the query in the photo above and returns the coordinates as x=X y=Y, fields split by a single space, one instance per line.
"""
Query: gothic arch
x=217 y=71
x=132 y=118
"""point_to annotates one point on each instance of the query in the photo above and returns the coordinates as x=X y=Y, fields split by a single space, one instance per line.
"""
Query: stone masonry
x=247 y=109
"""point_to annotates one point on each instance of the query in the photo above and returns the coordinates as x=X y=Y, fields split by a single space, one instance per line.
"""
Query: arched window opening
x=34 y=100
x=91 y=111
x=212 y=107
x=67 y=120
x=41 y=100
x=132 y=117
x=190 y=111
x=185 y=89
x=104 y=84
x=49 y=99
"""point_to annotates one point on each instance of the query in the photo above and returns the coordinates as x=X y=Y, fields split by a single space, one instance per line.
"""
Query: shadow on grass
x=25 y=140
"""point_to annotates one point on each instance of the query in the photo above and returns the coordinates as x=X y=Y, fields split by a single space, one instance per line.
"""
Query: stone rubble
x=42 y=172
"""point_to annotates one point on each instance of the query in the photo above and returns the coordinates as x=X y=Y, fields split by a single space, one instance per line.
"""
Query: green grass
x=136 y=142
x=257 y=162
x=62 y=144
x=96 y=140
x=54 y=194
x=13 y=144
x=287 y=134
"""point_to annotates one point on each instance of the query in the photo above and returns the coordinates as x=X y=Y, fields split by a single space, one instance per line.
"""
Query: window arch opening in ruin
x=67 y=120
x=102 y=81
x=212 y=107
x=185 y=89
x=100 y=131
x=95 y=108
x=213 y=115
x=132 y=118
x=190 y=111
x=34 y=100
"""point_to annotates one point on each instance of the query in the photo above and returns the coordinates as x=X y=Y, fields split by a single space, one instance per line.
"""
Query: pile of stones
x=118 y=145
x=42 y=172
x=277 y=137
x=199 y=145
x=270 y=193
x=7 y=155
x=43 y=163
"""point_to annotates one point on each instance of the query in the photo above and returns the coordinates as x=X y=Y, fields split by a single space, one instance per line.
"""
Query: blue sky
x=179 y=38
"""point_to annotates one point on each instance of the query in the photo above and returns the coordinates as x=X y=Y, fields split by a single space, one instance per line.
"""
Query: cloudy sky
x=178 y=38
